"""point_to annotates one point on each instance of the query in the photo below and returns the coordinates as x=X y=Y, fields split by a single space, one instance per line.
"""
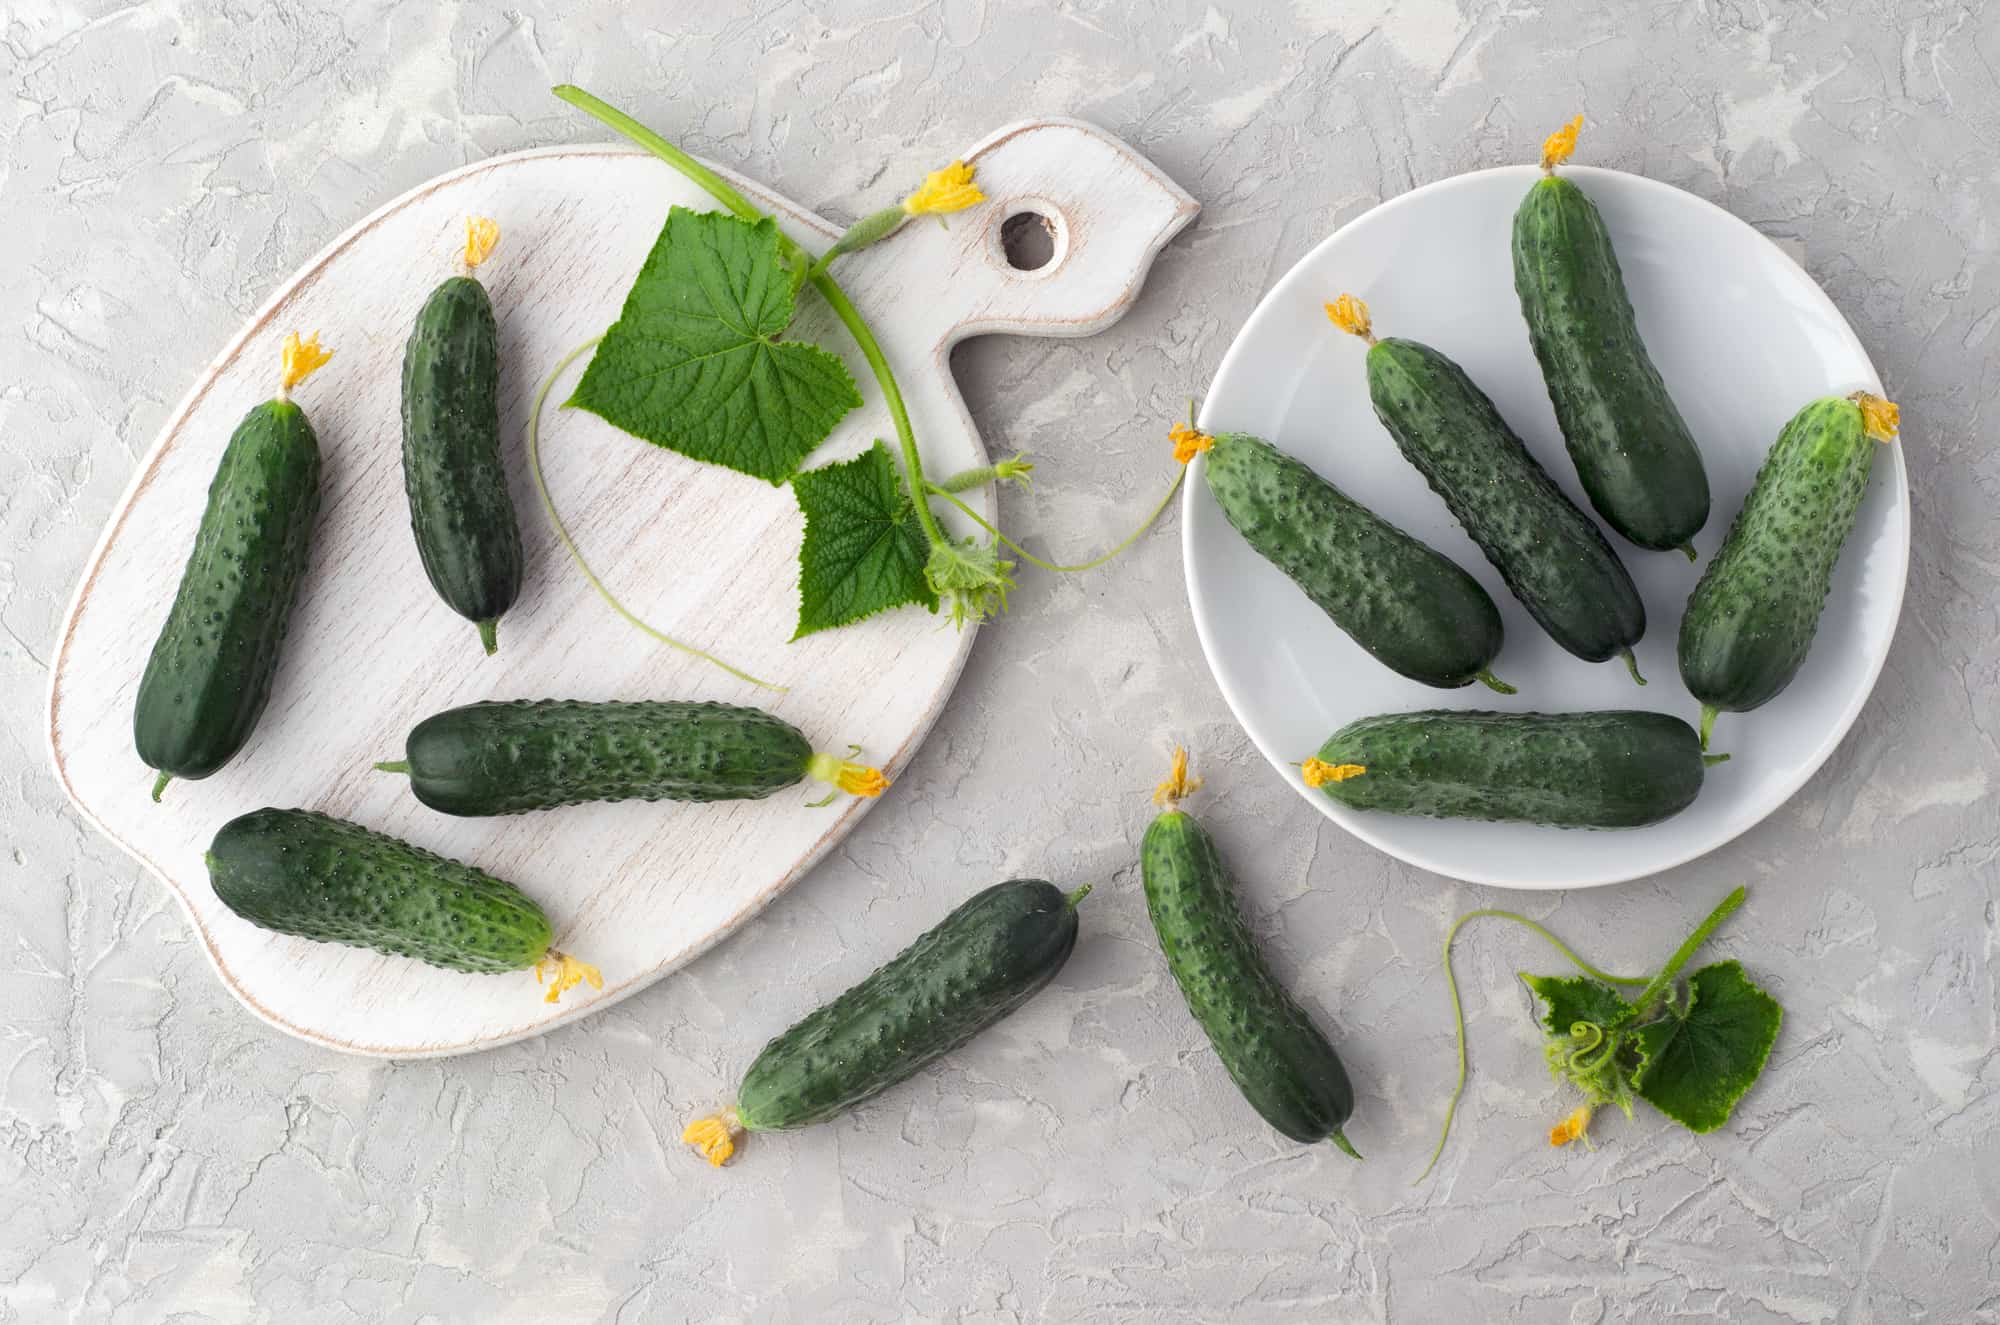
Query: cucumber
x=1280 y=1061
x=1751 y=619
x=297 y=872
x=1549 y=553
x=209 y=675
x=1617 y=769
x=980 y=963
x=509 y=757
x=467 y=533
x=1633 y=451
x=1410 y=607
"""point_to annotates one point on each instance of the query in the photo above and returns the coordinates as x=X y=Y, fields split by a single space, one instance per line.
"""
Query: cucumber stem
x=160 y=785
x=1662 y=983
x=1689 y=549
x=1340 y=1140
x=1708 y=712
x=1710 y=761
x=1632 y=666
x=489 y=635
x=1486 y=678
x=393 y=766
x=1077 y=896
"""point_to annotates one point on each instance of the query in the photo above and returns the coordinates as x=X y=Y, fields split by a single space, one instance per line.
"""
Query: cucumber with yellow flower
x=1751 y=619
x=509 y=757
x=1412 y=608
x=209 y=675
x=320 y=878
x=460 y=512
x=1283 y=1064
x=1616 y=769
x=1632 y=449
x=981 y=962
x=1552 y=557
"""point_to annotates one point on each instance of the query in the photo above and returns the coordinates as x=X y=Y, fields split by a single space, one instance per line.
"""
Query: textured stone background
x=164 y=1156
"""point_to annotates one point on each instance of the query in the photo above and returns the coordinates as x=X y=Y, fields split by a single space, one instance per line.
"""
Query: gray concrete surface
x=165 y=1157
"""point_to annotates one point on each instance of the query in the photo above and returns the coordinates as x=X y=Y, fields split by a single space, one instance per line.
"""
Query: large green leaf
x=1693 y=1067
x=694 y=363
x=863 y=550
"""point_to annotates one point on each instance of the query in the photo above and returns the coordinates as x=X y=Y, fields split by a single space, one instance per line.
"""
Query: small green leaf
x=1568 y=999
x=1694 y=1066
x=694 y=363
x=864 y=550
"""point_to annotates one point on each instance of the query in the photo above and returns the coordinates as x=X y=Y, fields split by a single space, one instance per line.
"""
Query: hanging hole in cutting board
x=1032 y=240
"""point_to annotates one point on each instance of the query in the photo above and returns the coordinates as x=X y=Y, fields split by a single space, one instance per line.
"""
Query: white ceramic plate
x=1743 y=338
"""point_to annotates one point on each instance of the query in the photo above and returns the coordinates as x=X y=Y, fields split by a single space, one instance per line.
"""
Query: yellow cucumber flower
x=1188 y=443
x=1572 y=1128
x=1351 y=316
x=481 y=234
x=1556 y=148
x=947 y=190
x=1881 y=418
x=1317 y=772
x=562 y=973
x=853 y=778
x=301 y=359
x=1178 y=786
x=714 y=1137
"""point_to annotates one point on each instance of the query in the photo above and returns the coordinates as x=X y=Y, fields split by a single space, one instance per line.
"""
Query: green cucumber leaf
x=864 y=551
x=1583 y=1024
x=694 y=363
x=1569 y=999
x=1695 y=1064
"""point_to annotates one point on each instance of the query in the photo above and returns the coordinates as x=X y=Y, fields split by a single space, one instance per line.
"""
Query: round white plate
x=1743 y=338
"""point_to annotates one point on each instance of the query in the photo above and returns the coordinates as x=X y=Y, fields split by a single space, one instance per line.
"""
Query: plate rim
x=1356 y=824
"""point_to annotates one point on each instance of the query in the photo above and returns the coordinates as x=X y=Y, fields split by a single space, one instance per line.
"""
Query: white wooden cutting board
x=702 y=552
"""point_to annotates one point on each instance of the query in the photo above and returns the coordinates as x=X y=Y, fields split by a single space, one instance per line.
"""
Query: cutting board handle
x=1107 y=212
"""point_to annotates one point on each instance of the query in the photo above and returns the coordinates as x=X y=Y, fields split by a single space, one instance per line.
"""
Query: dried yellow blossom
x=1556 y=148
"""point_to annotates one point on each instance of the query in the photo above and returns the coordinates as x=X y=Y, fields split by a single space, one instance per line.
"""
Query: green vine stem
x=576 y=553
x=1033 y=560
x=829 y=289
x=1663 y=982
x=1458 y=1007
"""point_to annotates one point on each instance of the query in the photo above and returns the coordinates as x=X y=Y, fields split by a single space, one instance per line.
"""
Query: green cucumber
x=301 y=873
x=508 y=757
x=1414 y=610
x=1281 y=1062
x=467 y=533
x=1550 y=554
x=1751 y=619
x=1632 y=450
x=1617 y=769
x=985 y=959
x=209 y=675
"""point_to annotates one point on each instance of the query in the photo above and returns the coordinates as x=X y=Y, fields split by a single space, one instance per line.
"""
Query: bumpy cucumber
x=463 y=519
x=209 y=675
x=980 y=963
x=1617 y=769
x=1633 y=451
x=302 y=873
x=1280 y=1061
x=1752 y=617
x=509 y=757
x=1549 y=553
x=1410 y=607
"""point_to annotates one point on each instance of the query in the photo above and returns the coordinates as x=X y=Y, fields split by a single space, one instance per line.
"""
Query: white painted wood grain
x=701 y=551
